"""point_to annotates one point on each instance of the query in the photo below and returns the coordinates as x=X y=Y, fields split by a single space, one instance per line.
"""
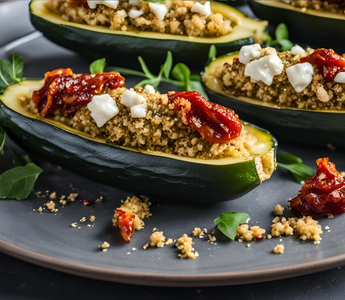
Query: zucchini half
x=155 y=174
x=310 y=27
x=308 y=127
x=123 y=47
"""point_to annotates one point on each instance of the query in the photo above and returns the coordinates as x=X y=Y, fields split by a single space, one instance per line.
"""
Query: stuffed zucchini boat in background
x=122 y=30
x=174 y=146
x=298 y=95
x=308 y=21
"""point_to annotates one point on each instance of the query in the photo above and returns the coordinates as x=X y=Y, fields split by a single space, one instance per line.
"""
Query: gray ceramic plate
x=48 y=240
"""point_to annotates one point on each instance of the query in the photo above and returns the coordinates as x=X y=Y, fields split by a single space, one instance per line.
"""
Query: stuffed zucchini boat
x=138 y=140
x=298 y=95
x=308 y=21
x=120 y=38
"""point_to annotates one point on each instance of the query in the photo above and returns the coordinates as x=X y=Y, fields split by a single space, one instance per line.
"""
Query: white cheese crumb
x=248 y=53
x=93 y=4
x=300 y=76
x=131 y=98
x=297 y=49
x=102 y=109
x=264 y=68
x=112 y=4
x=135 y=13
x=138 y=111
x=149 y=89
x=202 y=9
x=159 y=9
x=340 y=77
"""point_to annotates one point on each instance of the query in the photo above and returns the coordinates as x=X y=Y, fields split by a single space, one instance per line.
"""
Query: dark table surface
x=22 y=280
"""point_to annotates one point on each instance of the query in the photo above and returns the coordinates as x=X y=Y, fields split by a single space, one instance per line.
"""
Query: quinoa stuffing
x=294 y=79
x=279 y=249
x=246 y=233
x=319 y=5
x=191 y=18
x=185 y=245
x=157 y=239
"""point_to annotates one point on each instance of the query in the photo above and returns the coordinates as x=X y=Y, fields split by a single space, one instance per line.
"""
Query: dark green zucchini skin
x=311 y=30
x=123 y=50
x=135 y=172
x=305 y=127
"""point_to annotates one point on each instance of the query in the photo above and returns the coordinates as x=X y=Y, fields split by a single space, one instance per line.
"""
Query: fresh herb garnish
x=212 y=53
x=11 y=73
x=282 y=42
x=18 y=182
x=228 y=223
x=295 y=165
x=179 y=75
x=97 y=66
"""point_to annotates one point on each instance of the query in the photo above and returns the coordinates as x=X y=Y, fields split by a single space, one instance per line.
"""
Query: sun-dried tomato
x=125 y=221
x=63 y=90
x=322 y=194
x=328 y=62
x=215 y=123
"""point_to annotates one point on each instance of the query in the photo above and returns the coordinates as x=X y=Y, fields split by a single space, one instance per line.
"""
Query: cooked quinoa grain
x=179 y=19
x=279 y=249
x=185 y=245
x=318 y=5
x=157 y=239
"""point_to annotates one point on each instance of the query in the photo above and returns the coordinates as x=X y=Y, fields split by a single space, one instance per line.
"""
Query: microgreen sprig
x=281 y=42
x=179 y=75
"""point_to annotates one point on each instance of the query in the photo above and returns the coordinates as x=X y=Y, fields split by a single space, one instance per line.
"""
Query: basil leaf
x=300 y=172
x=6 y=78
x=228 y=223
x=18 y=183
x=17 y=67
x=97 y=66
x=2 y=140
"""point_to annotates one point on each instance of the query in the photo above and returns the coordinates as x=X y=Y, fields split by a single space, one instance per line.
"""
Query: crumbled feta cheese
x=131 y=98
x=297 y=49
x=135 y=13
x=340 y=77
x=300 y=76
x=202 y=9
x=102 y=108
x=93 y=4
x=149 y=89
x=159 y=9
x=248 y=53
x=264 y=68
x=138 y=111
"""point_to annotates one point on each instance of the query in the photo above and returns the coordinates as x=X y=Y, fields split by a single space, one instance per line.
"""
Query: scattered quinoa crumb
x=52 y=196
x=82 y=220
x=100 y=199
x=105 y=245
x=169 y=241
x=197 y=231
x=279 y=249
x=249 y=234
x=248 y=245
x=330 y=216
x=288 y=207
x=278 y=210
x=327 y=228
x=211 y=238
x=74 y=225
x=40 y=209
x=157 y=239
x=185 y=245
x=92 y=218
x=269 y=236
x=72 y=196
x=51 y=206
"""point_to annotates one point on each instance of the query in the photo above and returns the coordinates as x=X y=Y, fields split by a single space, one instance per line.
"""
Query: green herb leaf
x=11 y=73
x=282 y=33
x=125 y=71
x=228 y=223
x=97 y=66
x=212 y=53
x=145 y=68
x=18 y=183
x=294 y=164
x=2 y=140
x=166 y=67
x=281 y=41
x=182 y=73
